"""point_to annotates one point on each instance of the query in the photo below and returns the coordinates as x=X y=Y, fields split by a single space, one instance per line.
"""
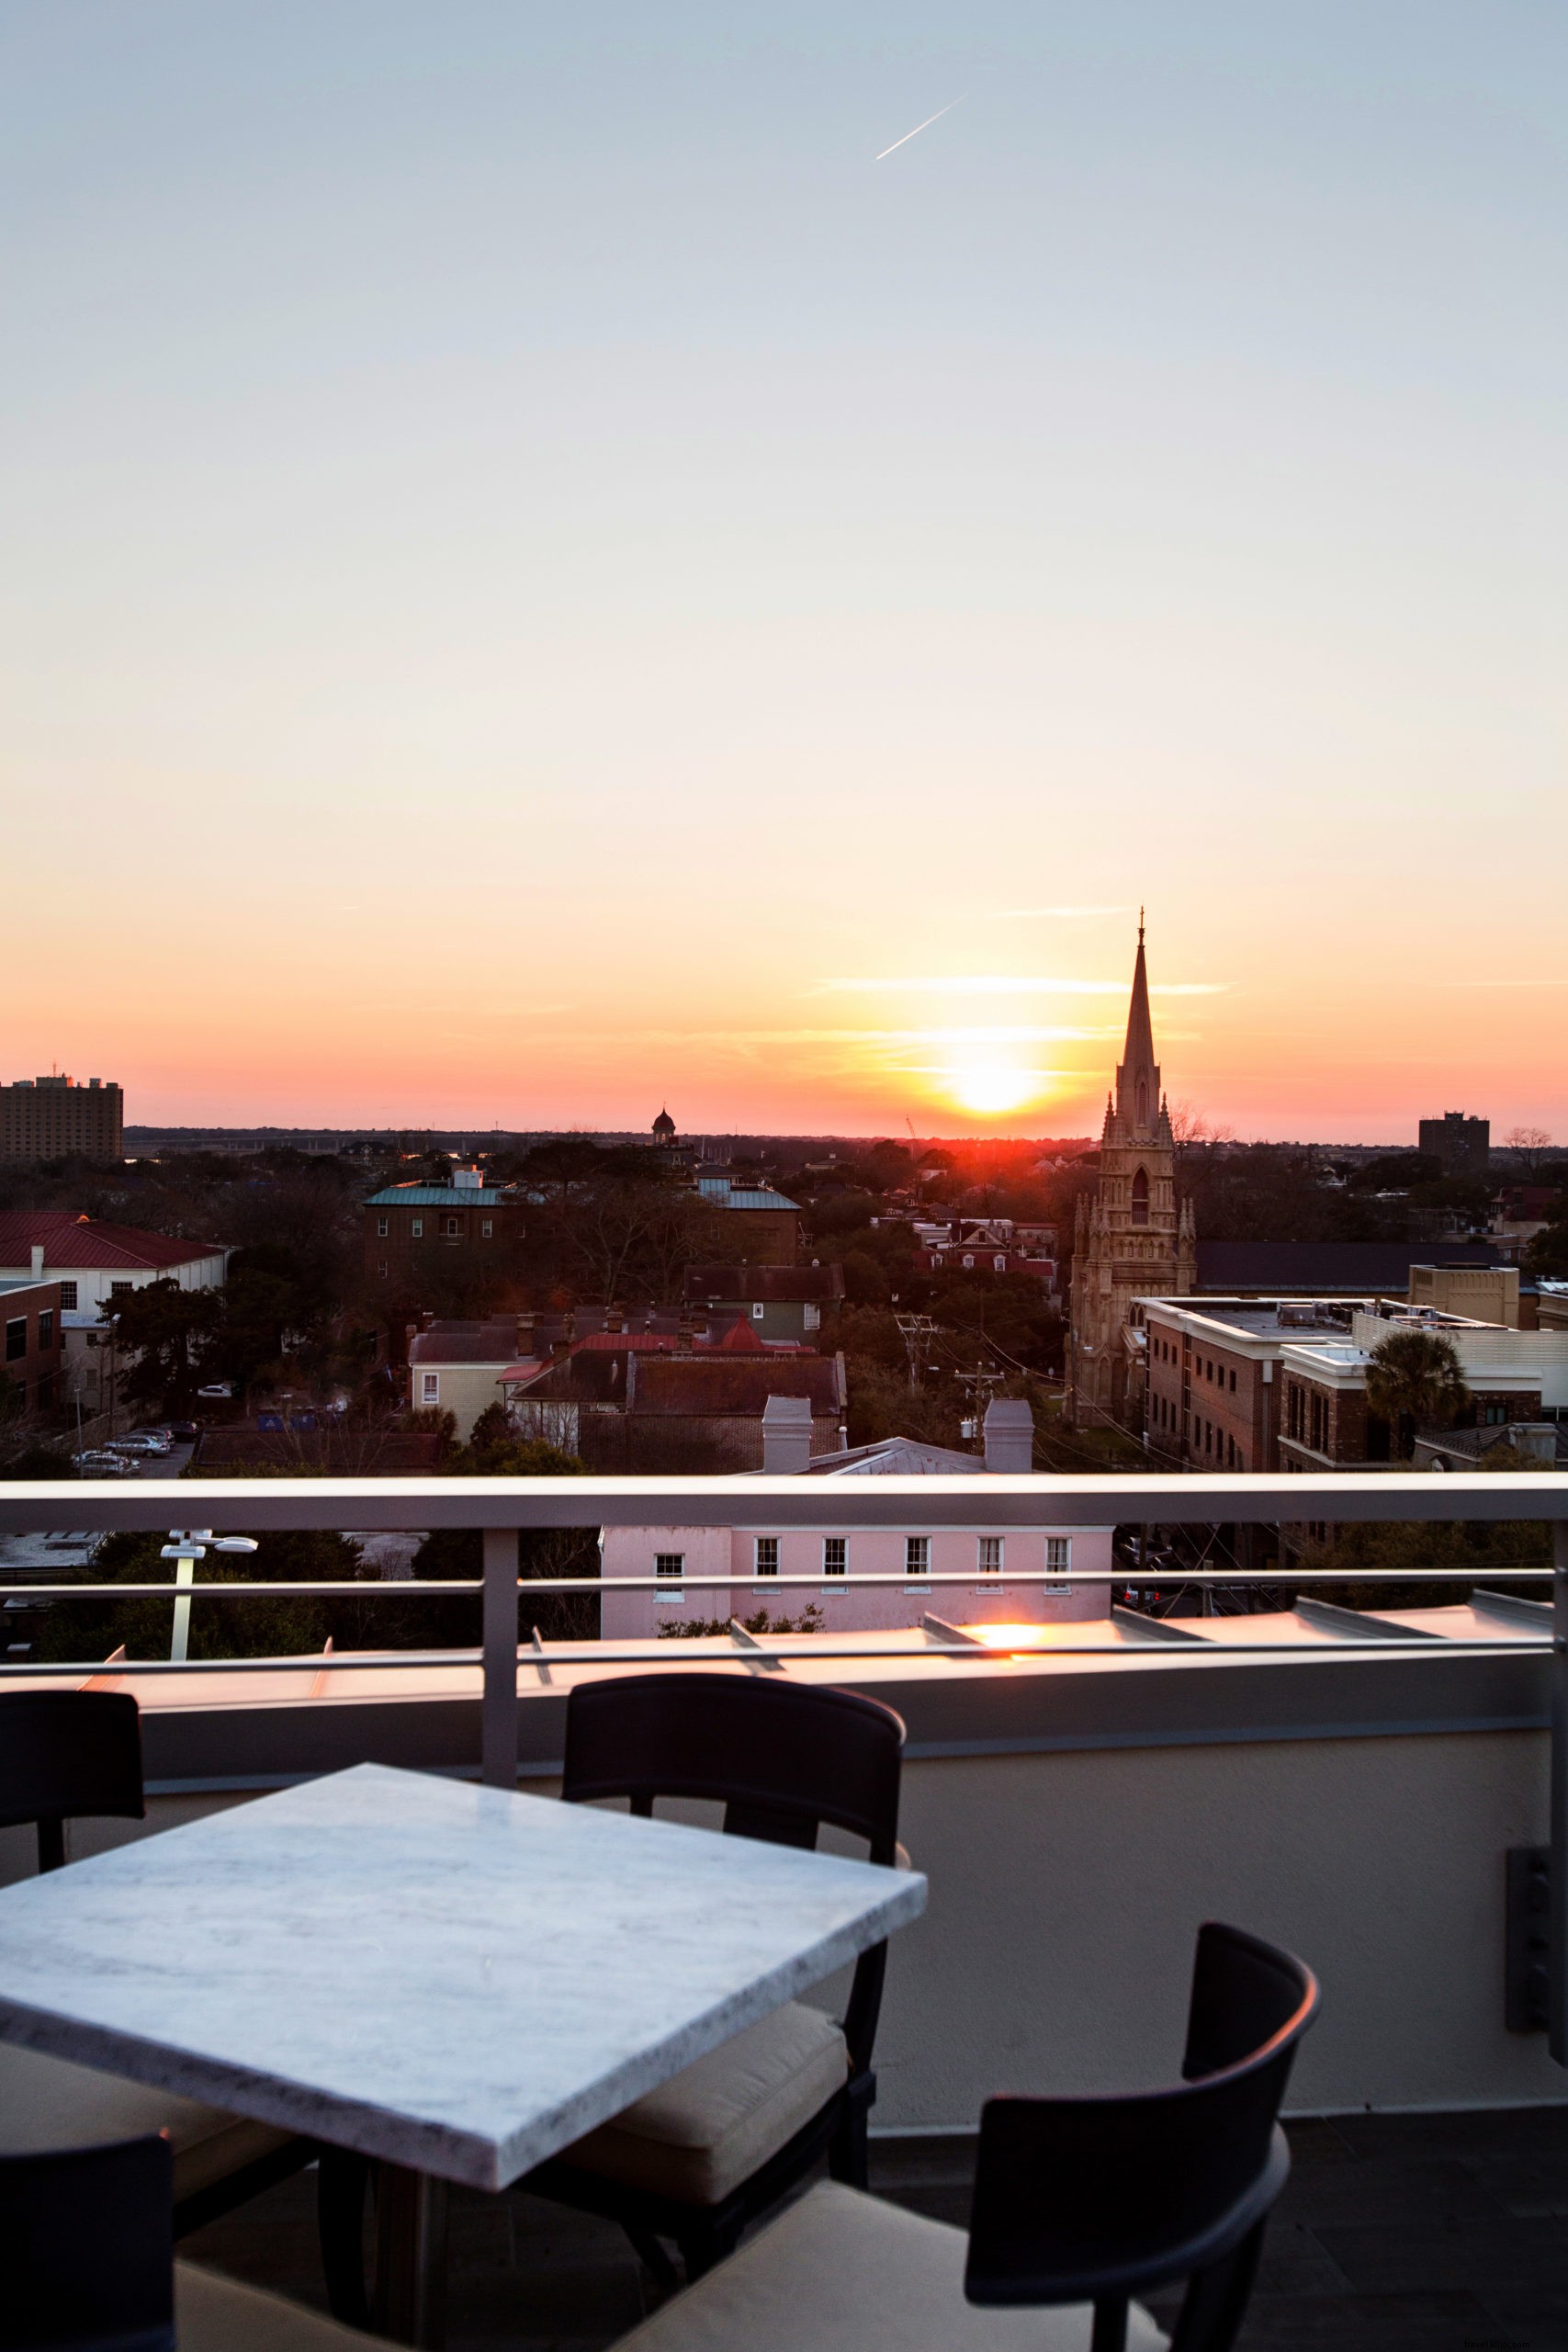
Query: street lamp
x=186 y=1546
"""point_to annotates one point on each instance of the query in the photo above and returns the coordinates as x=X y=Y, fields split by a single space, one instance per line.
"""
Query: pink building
x=1013 y=1575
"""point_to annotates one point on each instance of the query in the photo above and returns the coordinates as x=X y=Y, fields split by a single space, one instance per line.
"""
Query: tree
x=1414 y=1378
x=1528 y=1145
x=166 y=1336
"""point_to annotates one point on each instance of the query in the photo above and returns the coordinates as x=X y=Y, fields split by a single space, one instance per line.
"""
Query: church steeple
x=1137 y=1074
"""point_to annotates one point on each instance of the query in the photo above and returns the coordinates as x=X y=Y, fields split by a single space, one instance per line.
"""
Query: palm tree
x=1414 y=1378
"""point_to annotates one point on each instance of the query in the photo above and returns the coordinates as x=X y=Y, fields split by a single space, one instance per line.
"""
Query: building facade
x=416 y=1234
x=1463 y=1145
x=96 y=1263
x=56 y=1118
x=1132 y=1237
x=33 y=1350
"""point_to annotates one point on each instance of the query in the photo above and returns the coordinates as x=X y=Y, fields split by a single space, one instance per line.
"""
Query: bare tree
x=1528 y=1145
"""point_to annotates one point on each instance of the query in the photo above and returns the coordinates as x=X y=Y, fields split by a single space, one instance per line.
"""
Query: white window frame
x=416 y=1229
x=486 y=1228
x=989 y=1552
x=758 y=1310
x=382 y=1225
x=381 y=1268
x=672 y=1567
x=68 y=1298
x=835 y=1572
x=917 y=1562
x=813 y=1316
x=430 y=1388
x=1059 y=1562
x=765 y=1556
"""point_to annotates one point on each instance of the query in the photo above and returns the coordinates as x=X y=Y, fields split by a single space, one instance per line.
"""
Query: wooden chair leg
x=342 y=2180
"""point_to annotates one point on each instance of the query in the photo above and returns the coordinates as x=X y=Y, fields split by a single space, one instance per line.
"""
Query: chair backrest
x=1096 y=2200
x=88 y=2249
x=781 y=1759
x=65 y=1753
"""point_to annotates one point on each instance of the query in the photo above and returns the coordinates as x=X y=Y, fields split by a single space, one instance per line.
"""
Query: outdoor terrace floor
x=1432 y=2233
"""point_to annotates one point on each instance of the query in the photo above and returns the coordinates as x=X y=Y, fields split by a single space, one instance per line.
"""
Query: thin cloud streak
x=975 y=984
x=923 y=126
x=1063 y=915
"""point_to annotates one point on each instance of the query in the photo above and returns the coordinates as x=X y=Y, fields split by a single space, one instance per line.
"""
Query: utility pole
x=918 y=1333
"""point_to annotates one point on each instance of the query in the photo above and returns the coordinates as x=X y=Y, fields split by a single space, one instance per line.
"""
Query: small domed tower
x=664 y=1128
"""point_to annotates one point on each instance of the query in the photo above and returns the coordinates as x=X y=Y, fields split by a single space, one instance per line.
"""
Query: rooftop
x=71 y=1242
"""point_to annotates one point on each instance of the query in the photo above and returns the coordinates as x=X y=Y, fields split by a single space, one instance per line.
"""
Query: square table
x=455 y=1980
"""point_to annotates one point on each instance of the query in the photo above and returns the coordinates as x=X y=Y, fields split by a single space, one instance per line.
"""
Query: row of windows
x=17 y=1334
x=1164 y=1415
x=449 y=1227
x=1204 y=1367
x=917 y=1556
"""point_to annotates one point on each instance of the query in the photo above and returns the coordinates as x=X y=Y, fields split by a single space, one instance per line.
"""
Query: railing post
x=1557 y=1882
x=498 y=1765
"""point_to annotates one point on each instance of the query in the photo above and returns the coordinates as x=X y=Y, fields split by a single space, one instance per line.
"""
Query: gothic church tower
x=1131 y=1241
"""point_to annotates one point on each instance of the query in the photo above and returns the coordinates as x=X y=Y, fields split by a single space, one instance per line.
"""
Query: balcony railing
x=501 y=1510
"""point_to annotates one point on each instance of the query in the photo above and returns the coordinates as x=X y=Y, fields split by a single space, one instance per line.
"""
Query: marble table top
x=452 y=1977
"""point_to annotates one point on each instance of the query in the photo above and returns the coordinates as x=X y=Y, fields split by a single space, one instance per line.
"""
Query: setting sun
x=990 y=1086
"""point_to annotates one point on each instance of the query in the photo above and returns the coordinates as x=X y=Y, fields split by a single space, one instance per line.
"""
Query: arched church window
x=1143 y=1104
x=1141 y=1197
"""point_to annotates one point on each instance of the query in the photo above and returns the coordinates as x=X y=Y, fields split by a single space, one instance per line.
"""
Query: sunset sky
x=541 y=579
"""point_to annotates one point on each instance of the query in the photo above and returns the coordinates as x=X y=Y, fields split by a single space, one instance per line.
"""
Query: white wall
x=1025 y=1592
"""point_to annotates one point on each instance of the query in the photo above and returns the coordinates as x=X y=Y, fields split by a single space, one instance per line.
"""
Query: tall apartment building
x=1465 y=1145
x=57 y=1118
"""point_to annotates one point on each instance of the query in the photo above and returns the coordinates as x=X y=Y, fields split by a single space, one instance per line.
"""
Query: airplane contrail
x=923 y=126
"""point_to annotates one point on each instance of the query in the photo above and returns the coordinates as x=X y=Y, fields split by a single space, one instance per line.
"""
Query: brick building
x=34 y=1345
x=416 y=1235
x=1463 y=1145
x=1266 y=1385
x=56 y=1118
x=761 y=1224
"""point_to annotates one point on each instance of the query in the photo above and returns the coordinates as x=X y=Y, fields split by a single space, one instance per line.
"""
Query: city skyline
x=552 y=566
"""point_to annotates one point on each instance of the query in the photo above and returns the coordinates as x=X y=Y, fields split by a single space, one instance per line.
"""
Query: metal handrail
x=822 y=1646
x=896 y=1580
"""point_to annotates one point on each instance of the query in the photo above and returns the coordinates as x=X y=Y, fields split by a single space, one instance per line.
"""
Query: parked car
x=98 y=1463
x=184 y=1432
x=141 y=1448
x=153 y=1440
x=217 y=1391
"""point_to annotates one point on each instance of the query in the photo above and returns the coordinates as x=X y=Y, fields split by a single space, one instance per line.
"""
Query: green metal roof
x=438 y=1196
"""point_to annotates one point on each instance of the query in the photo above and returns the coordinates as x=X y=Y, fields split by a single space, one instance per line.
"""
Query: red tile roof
x=70 y=1240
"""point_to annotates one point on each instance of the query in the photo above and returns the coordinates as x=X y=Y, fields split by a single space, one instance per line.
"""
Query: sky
x=541 y=579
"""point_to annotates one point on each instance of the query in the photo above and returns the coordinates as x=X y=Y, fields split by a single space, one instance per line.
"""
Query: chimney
x=569 y=1325
x=683 y=1336
x=615 y=1319
x=562 y=1347
x=526 y=1332
x=427 y=1318
x=1010 y=1435
x=38 y=1262
x=786 y=1435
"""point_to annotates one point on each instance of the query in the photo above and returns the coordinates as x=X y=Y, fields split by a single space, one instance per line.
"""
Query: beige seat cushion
x=840 y=2272
x=213 y=2314
x=49 y=2103
x=701 y=2135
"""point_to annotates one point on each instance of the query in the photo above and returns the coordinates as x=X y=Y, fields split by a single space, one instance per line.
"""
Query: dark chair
x=86 y=2259
x=1081 y=2206
x=701 y=2158
x=64 y=1754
